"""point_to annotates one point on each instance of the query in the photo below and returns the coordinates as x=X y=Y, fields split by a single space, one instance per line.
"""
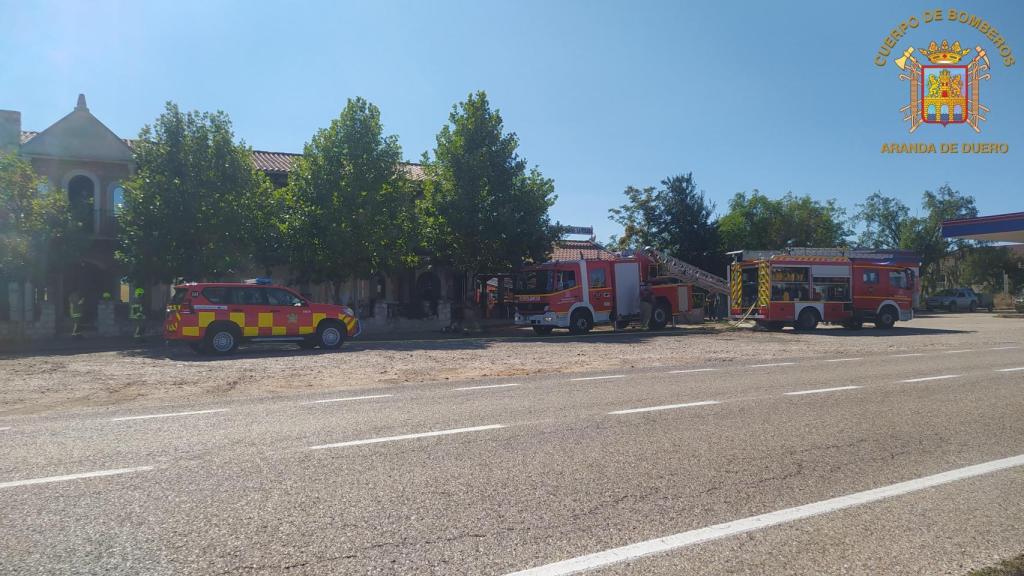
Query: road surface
x=866 y=464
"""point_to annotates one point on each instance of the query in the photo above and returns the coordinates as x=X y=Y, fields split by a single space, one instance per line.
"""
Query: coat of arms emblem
x=943 y=91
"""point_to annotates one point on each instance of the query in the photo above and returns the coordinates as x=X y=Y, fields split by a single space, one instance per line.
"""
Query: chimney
x=10 y=130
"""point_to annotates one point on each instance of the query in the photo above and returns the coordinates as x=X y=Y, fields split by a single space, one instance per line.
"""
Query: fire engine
x=806 y=286
x=577 y=294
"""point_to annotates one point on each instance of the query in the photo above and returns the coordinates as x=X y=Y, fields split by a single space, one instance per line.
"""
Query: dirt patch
x=35 y=384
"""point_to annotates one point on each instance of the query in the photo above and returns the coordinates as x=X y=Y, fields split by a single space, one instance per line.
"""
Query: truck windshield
x=535 y=282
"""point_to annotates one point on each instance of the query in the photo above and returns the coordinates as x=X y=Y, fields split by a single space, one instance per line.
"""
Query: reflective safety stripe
x=265 y=319
x=205 y=318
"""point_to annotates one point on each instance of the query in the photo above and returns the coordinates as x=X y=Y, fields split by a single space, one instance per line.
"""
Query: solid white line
x=906 y=355
x=799 y=392
x=726 y=529
x=73 y=476
x=350 y=398
x=933 y=378
x=843 y=359
x=407 y=436
x=774 y=364
x=5 y=428
x=168 y=415
x=957 y=351
x=665 y=407
x=692 y=370
x=485 y=387
x=999 y=370
x=597 y=377
x=1005 y=348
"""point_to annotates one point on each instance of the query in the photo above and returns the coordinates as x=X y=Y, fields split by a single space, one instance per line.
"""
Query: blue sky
x=778 y=96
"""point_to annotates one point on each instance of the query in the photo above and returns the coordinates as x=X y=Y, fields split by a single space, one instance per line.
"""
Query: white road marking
x=349 y=398
x=73 y=476
x=407 y=436
x=843 y=359
x=906 y=355
x=485 y=387
x=773 y=364
x=692 y=370
x=1005 y=348
x=597 y=377
x=683 y=539
x=5 y=428
x=168 y=415
x=943 y=377
x=799 y=392
x=665 y=407
x=957 y=351
x=999 y=370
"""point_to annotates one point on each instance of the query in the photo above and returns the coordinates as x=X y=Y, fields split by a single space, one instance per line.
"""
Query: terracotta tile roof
x=571 y=250
x=273 y=162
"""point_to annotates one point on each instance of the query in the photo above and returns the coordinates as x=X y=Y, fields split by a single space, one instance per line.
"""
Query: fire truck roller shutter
x=831 y=271
x=627 y=288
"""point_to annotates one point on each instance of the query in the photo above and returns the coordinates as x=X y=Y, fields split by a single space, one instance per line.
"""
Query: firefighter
x=75 y=303
x=646 y=306
x=137 y=314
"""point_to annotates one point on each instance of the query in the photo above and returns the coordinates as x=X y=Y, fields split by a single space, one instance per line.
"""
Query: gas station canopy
x=998 y=228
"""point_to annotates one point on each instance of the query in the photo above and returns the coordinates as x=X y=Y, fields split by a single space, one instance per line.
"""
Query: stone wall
x=43 y=328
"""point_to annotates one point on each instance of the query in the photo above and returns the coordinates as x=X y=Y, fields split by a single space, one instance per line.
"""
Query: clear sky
x=778 y=96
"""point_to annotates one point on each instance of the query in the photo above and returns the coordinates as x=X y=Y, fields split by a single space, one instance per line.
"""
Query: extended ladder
x=690 y=273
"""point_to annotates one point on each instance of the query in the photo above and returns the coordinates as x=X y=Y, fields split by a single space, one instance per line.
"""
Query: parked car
x=215 y=317
x=955 y=299
x=1018 y=302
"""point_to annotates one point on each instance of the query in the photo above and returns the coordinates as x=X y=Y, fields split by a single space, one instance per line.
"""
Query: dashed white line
x=96 y=474
x=727 y=529
x=692 y=370
x=1006 y=348
x=169 y=415
x=666 y=407
x=485 y=387
x=597 y=377
x=1010 y=369
x=349 y=398
x=407 y=436
x=4 y=428
x=843 y=359
x=958 y=351
x=925 y=379
x=906 y=355
x=818 y=390
x=773 y=364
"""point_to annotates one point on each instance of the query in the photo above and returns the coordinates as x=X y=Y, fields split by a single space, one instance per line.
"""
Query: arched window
x=117 y=198
x=81 y=200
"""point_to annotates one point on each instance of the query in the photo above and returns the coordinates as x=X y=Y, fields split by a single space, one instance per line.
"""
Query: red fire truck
x=577 y=294
x=803 y=289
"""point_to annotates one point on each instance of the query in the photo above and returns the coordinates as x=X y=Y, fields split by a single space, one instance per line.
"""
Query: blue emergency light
x=260 y=281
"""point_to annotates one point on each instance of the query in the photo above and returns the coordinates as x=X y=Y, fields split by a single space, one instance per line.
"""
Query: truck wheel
x=808 y=319
x=973 y=306
x=952 y=306
x=886 y=318
x=330 y=335
x=580 y=322
x=660 y=316
x=221 y=338
x=542 y=330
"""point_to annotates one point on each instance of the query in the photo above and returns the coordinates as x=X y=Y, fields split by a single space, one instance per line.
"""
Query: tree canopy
x=197 y=208
x=481 y=209
x=756 y=222
x=675 y=218
x=349 y=208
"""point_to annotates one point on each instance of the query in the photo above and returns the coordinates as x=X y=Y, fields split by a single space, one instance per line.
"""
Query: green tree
x=350 y=209
x=196 y=208
x=481 y=209
x=885 y=221
x=986 y=266
x=756 y=222
x=676 y=218
x=923 y=235
x=37 y=233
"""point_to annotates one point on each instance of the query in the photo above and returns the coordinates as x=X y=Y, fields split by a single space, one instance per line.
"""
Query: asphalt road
x=650 y=471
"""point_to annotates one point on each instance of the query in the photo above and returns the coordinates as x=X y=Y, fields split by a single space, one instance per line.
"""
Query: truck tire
x=660 y=316
x=580 y=322
x=542 y=330
x=330 y=335
x=221 y=338
x=887 y=317
x=808 y=320
x=952 y=306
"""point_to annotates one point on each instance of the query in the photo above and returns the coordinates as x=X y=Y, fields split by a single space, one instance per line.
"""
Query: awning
x=998 y=228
